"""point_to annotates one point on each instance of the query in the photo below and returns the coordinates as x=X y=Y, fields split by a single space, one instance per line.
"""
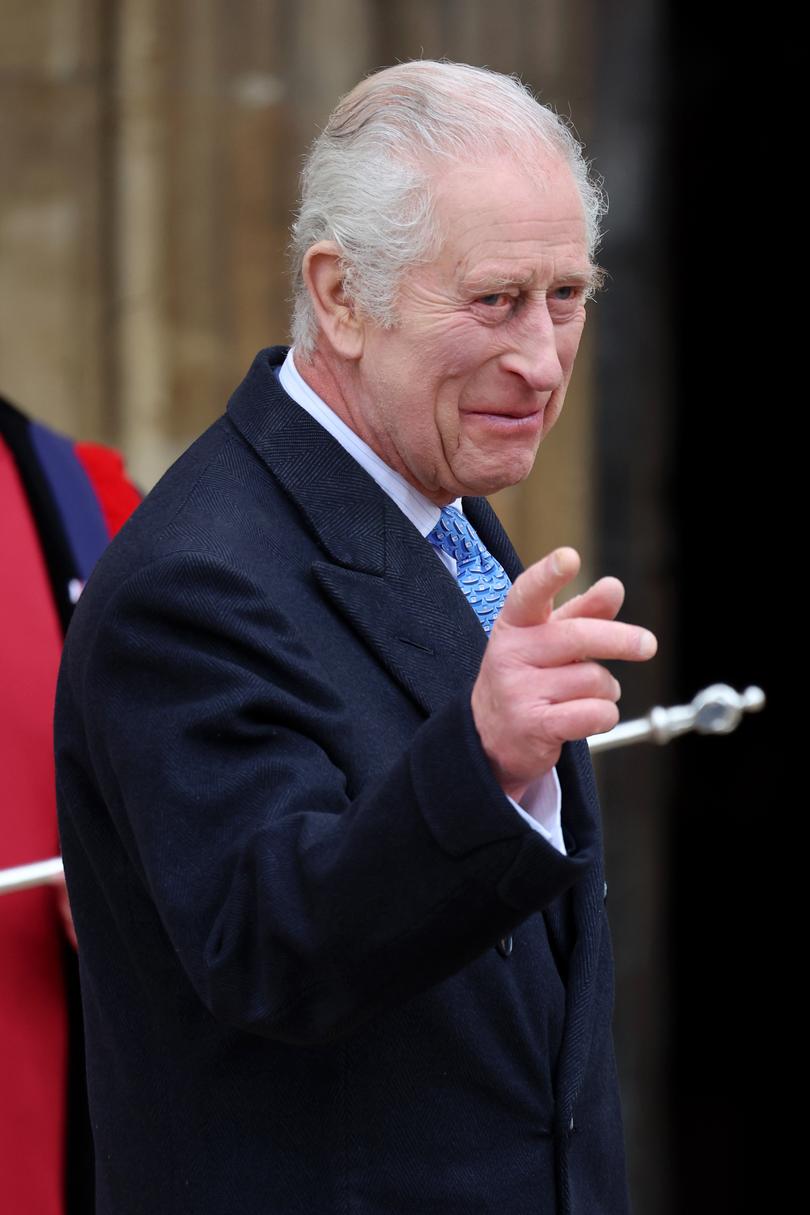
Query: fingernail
x=563 y=560
x=648 y=644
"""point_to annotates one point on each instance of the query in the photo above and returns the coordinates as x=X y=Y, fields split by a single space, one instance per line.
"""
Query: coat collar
x=376 y=568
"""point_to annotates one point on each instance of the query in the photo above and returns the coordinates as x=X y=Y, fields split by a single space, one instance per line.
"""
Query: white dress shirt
x=543 y=799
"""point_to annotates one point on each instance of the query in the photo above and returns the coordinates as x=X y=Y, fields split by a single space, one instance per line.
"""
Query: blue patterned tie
x=482 y=579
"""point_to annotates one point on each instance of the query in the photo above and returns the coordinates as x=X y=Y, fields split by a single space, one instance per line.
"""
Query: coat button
x=504 y=946
x=571 y=1125
x=604 y=892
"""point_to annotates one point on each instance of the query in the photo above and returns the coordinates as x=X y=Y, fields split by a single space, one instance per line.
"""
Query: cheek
x=444 y=367
x=448 y=351
x=568 y=344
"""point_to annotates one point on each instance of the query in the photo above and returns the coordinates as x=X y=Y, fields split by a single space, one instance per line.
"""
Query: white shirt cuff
x=542 y=808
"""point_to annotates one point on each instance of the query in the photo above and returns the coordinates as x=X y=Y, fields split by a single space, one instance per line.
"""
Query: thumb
x=531 y=598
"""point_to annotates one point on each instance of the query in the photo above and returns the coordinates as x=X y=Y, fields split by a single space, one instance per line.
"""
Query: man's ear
x=338 y=321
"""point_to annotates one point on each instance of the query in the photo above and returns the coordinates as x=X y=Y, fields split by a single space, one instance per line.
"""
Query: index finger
x=531 y=597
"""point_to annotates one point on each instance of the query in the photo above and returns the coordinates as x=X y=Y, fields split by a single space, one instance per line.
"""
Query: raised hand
x=541 y=683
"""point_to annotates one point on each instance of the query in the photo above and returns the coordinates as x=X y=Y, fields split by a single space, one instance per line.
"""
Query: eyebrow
x=495 y=280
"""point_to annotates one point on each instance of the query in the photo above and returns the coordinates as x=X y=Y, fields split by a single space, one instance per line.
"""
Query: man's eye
x=564 y=302
x=496 y=298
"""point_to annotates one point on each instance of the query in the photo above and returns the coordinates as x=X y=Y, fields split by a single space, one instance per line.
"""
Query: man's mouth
x=506 y=417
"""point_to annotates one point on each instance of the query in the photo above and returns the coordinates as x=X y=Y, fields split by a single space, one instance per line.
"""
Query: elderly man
x=333 y=851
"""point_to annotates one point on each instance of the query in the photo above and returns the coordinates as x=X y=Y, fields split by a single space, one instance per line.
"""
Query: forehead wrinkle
x=492 y=247
x=510 y=230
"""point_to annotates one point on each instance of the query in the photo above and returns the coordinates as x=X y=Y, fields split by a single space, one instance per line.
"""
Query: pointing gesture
x=541 y=683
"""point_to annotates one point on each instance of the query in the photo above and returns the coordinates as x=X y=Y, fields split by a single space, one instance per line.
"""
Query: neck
x=337 y=383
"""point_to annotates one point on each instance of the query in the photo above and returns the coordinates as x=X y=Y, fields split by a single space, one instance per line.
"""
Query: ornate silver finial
x=716 y=710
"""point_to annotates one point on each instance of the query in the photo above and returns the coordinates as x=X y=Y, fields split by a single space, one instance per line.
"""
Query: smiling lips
x=506 y=417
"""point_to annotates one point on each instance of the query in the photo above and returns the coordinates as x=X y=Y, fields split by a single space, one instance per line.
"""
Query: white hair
x=367 y=180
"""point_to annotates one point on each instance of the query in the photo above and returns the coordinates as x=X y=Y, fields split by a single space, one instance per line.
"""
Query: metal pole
x=39 y=873
x=715 y=710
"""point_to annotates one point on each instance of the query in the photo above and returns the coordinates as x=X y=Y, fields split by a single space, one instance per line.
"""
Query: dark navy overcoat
x=291 y=866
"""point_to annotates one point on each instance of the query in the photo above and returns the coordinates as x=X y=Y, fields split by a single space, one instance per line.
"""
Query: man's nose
x=534 y=356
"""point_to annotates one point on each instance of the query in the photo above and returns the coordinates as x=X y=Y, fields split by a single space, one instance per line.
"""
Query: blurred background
x=149 y=152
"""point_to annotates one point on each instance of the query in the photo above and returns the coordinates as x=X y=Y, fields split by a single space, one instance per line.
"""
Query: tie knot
x=458 y=539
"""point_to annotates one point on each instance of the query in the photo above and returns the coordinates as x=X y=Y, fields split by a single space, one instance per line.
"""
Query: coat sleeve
x=295 y=910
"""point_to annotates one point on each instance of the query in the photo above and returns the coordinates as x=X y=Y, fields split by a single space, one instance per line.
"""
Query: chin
x=493 y=482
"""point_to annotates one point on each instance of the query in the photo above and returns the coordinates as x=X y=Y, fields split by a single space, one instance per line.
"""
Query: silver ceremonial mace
x=715 y=710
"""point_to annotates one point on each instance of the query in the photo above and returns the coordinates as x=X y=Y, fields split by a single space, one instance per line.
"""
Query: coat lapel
x=379 y=572
x=414 y=618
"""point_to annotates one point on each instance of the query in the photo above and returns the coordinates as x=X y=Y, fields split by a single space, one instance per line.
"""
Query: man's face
x=459 y=394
